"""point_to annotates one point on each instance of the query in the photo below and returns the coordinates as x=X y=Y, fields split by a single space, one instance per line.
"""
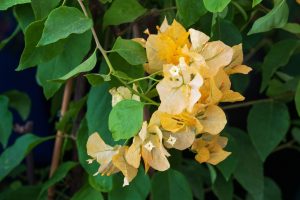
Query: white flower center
x=149 y=146
x=171 y=140
x=174 y=71
x=90 y=161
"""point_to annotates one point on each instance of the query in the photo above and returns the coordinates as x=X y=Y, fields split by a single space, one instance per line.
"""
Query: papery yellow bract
x=210 y=149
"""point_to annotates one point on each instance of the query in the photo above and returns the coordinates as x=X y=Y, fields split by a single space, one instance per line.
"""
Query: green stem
x=103 y=52
x=137 y=93
x=64 y=2
x=146 y=77
x=246 y=104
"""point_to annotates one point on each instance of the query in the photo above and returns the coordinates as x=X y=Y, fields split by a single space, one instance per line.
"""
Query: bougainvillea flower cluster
x=195 y=80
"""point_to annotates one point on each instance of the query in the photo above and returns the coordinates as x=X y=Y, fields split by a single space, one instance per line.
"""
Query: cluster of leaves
x=59 y=43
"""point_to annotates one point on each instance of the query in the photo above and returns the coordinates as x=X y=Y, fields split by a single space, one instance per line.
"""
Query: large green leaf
x=189 y=12
x=33 y=55
x=98 y=109
x=138 y=189
x=24 y=15
x=122 y=11
x=276 y=18
x=216 y=5
x=75 y=48
x=42 y=8
x=223 y=189
x=6 y=121
x=86 y=66
x=100 y=183
x=58 y=175
x=267 y=125
x=271 y=191
x=19 y=101
x=170 y=185
x=14 y=154
x=62 y=22
x=130 y=50
x=125 y=119
x=249 y=172
x=88 y=193
x=227 y=32
x=297 y=98
x=5 y=4
x=277 y=57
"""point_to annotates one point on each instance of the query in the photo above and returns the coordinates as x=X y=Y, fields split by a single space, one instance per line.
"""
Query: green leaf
x=6 y=121
x=95 y=79
x=14 y=154
x=5 y=4
x=138 y=189
x=212 y=173
x=216 y=5
x=19 y=101
x=189 y=12
x=296 y=134
x=249 y=172
x=297 y=98
x=24 y=15
x=125 y=119
x=58 y=175
x=276 y=18
x=228 y=166
x=88 y=193
x=99 y=183
x=86 y=66
x=62 y=22
x=130 y=50
x=268 y=123
x=277 y=57
x=170 y=185
x=227 y=32
x=33 y=55
x=42 y=8
x=271 y=191
x=98 y=109
x=256 y=2
x=75 y=48
x=223 y=189
x=7 y=40
x=292 y=28
x=122 y=11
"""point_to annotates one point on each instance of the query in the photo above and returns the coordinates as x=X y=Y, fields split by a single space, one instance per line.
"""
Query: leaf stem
x=103 y=52
x=146 y=77
x=246 y=104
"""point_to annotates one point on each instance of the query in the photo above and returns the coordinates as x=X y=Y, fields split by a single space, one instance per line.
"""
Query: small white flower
x=174 y=71
x=90 y=161
x=125 y=183
x=171 y=140
x=149 y=146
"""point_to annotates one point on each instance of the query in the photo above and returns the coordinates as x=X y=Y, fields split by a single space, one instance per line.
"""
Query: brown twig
x=246 y=104
x=59 y=135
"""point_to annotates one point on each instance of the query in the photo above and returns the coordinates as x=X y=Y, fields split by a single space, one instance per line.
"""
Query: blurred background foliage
x=263 y=131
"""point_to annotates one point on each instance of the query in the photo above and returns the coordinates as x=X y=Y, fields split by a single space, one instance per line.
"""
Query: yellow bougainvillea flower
x=236 y=65
x=165 y=47
x=148 y=145
x=213 y=120
x=209 y=148
x=111 y=159
x=179 y=89
x=121 y=93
